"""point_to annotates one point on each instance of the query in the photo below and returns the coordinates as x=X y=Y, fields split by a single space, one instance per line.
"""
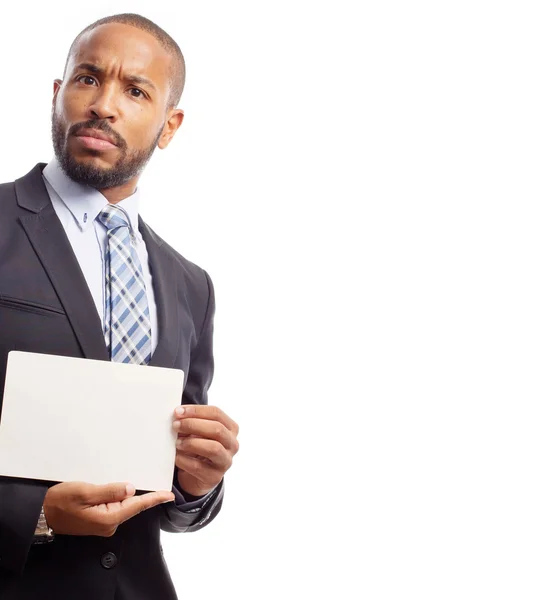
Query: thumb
x=111 y=492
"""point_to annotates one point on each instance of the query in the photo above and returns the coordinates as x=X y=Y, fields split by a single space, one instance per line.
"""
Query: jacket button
x=108 y=560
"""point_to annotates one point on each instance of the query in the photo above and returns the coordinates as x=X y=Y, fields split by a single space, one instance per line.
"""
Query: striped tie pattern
x=127 y=327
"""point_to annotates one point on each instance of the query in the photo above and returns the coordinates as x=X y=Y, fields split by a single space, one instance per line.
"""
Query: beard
x=130 y=164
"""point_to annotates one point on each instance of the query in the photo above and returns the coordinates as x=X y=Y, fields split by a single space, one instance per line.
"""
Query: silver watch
x=43 y=533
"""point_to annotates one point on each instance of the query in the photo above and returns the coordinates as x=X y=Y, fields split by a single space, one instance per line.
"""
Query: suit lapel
x=54 y=250
x=165 y=286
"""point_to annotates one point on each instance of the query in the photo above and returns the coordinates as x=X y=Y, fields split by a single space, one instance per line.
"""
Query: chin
x=92 y=159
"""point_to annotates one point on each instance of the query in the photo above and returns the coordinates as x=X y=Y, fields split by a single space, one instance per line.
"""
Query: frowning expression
x=112 y=109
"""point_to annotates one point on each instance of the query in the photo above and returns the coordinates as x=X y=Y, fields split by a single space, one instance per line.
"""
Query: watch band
x=43 y=533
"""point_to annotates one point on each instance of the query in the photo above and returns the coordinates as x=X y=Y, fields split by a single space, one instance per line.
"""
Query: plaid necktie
x=127 y=327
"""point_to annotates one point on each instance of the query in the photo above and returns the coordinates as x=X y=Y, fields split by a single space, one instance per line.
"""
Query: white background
x=371 y=187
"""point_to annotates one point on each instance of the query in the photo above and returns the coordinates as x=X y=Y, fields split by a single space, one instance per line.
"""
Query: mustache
x=100 y=125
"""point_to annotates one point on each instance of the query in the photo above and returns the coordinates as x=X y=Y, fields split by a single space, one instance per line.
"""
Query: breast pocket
x=29 y=306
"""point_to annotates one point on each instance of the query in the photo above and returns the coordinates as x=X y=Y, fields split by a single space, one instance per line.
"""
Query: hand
x=207 y=443
x=76 y=508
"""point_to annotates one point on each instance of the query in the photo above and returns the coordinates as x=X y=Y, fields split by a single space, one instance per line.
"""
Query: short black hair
x=177 y=75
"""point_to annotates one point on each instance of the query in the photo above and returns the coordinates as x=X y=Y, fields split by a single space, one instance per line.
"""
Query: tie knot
x=112 y=217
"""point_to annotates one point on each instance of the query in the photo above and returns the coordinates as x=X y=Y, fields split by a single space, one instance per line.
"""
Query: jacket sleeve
x=185 y=514
x=20 y=506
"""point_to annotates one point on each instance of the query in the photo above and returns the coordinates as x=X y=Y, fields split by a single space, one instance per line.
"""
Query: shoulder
x=8 y=202
x=27 y=192
x=7 y=190
x=192 y=273
x=196 y=279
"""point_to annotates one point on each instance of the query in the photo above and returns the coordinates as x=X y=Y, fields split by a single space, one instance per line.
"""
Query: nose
x=103 y=104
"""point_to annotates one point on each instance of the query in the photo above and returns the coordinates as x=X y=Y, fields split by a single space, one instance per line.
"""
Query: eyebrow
x=136 y=79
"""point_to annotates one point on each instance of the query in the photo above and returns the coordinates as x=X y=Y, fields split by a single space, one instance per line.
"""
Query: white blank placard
x=74 y=419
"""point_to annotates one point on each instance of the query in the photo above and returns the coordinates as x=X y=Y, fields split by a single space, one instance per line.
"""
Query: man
x=82 y=275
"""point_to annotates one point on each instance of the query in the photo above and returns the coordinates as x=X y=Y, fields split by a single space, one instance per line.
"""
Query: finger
x=211 y=430
x=209 y=449
x=136 y=504
x=210 y=413
x=93 y=495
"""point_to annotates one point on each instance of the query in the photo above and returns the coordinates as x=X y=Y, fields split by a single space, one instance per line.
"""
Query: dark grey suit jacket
x=46 y=306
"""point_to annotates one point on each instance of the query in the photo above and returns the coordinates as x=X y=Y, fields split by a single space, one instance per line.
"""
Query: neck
x=117 y=194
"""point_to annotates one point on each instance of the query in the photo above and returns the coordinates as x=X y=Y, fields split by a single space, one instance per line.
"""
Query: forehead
x=124 y=50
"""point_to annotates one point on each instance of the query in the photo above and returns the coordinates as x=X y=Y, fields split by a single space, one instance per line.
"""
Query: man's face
x=116 y=87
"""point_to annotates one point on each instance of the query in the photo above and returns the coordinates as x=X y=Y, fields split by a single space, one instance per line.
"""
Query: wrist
x=189 y=495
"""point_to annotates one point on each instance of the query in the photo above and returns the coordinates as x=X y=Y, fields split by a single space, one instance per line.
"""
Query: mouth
x=95 y=139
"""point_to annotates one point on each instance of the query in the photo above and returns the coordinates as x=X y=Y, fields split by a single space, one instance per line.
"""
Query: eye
x=137 y=93
x=86 y=79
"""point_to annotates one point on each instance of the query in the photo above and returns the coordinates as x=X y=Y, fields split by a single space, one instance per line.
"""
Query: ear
x=173 y=123
x=57 y=86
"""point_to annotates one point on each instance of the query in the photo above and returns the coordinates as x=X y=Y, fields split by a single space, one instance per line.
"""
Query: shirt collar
x=83 y=201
